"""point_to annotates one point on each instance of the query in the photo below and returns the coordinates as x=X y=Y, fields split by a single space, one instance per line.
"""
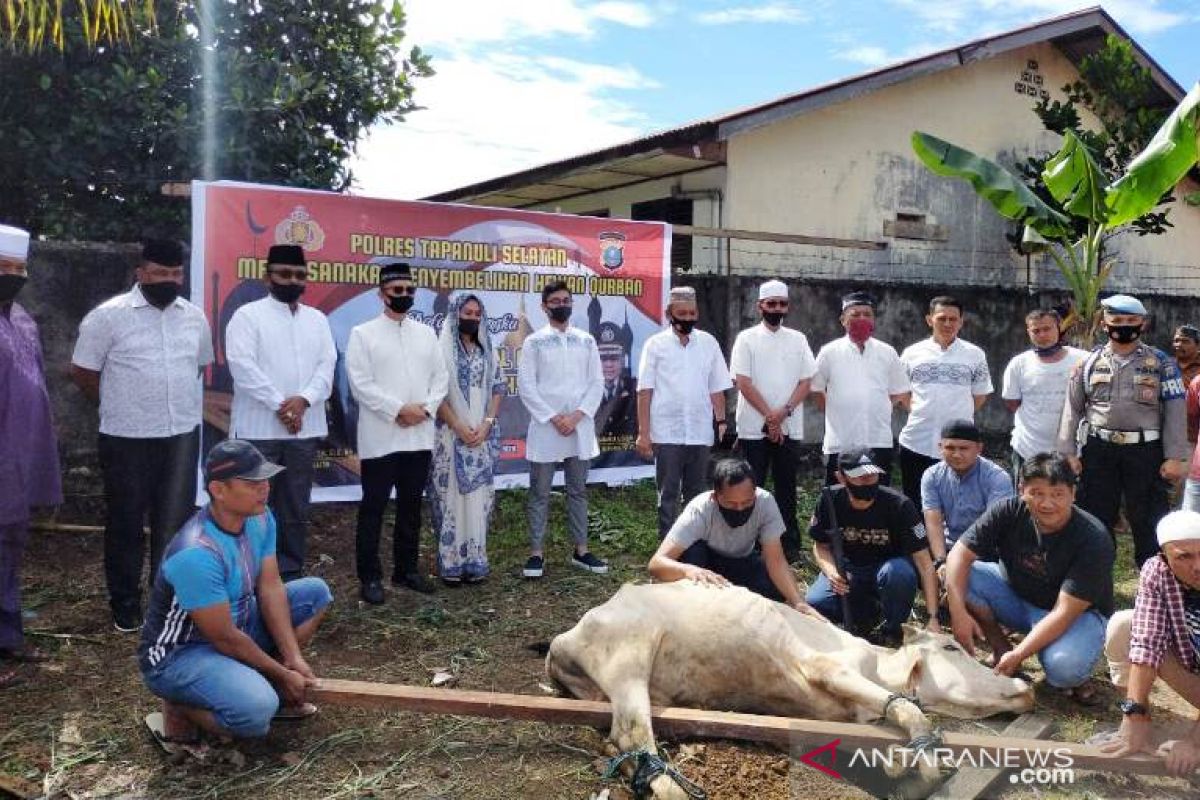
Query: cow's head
x=949 y=681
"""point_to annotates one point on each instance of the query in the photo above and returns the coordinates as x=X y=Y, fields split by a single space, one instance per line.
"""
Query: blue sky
x=522 y=82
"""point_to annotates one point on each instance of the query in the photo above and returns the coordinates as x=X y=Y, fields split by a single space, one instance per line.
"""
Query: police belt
x=1123 y=437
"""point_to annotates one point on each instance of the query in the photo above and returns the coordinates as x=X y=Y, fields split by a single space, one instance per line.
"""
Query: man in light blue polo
x=222 y=640
x=958 y=489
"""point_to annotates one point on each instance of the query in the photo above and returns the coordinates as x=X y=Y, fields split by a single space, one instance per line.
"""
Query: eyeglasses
x=397 y=291
x=295 y=274
x=558 y=304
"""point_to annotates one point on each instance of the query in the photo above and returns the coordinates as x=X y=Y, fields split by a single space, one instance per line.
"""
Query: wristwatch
x=1132 y=708
x=789 y=408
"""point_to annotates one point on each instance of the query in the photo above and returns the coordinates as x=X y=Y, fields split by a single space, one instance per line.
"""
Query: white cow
x=684 y=644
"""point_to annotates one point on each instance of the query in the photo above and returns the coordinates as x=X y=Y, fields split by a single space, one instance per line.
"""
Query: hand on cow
x=1182 y=757
x=805 y=608
x=1009 y=663
x=964 y=628
x=704 y=577
x=933 y=626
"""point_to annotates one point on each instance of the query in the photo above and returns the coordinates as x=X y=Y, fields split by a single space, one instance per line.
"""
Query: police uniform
x=617 y=414
x=1128 y=414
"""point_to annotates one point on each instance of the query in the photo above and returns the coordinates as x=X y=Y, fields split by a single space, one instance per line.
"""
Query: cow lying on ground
x=685 y=644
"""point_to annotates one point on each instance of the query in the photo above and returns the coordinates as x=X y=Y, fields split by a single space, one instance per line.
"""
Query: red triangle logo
x=809 y=758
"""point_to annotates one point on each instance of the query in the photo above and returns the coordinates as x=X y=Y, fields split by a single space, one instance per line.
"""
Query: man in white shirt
x=950 y=380
x=1035 y=387
x=139 y=355
x=858 y=380
x=773 y=367
x=398 y=377
x=281 y=356
x=560 y=383
x=682 y=380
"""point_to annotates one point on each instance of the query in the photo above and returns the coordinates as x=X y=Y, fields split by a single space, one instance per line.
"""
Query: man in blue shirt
x=222 y=639
x=958 y=489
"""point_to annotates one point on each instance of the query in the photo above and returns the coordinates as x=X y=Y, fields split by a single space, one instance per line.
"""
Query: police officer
x=1125 y=407
x=617 y=414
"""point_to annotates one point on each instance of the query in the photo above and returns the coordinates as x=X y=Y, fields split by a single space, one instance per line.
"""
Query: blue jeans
x=240 y=698
x=889 y=587
x=1068 y=660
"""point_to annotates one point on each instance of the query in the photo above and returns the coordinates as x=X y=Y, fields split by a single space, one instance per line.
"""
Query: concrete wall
x=66 y=280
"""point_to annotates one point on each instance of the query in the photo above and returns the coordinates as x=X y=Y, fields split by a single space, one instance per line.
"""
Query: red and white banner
x=619 y=272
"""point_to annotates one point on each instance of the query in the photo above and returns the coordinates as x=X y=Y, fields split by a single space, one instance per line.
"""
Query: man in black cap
x=139 y=355
x=223 y=635
x=398 y=376
x=885 y=550
x=281 y=356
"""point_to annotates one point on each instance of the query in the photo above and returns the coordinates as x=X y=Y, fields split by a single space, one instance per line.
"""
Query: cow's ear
x=901 y=671
x=911 y=632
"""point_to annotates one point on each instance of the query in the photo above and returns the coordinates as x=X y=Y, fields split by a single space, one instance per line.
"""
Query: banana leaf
x=1155 y=171
x=1007 y=194
x=1076 y=181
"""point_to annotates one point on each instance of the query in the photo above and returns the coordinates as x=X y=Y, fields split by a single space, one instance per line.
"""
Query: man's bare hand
x=644 y=447
x=1172 y=470
x=293 y=687
x=705 y=576
x=963 y=627
x=1076 y=464
x=411 y=414
x=291 y=413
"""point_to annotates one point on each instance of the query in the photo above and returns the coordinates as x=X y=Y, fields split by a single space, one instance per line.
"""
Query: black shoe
x=288 y=577
x=415 y=581
x=127 y=620
x=535 y=567
x=453 y=583
x=371 y=592
x=589 y=562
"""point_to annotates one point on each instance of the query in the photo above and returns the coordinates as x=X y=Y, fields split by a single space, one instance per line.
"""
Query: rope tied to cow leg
x=647 y=767
x=912 y=698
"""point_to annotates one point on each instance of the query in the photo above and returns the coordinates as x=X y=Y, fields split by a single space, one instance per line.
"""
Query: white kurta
x=275 y=354
x=560 y=373
x=776 y=361
x=390 y=364
x=858 y=385
x=683 y=379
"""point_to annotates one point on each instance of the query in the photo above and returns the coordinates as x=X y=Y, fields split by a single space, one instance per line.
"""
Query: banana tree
x=1081 y=191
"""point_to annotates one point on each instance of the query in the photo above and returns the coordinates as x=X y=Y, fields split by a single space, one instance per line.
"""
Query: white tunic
x=275 y=354
x=858 y=385
x=559 y=373
x=775 y=361
x=944 y=385
x=149 y=362
x=683 y=379
x=391 y=363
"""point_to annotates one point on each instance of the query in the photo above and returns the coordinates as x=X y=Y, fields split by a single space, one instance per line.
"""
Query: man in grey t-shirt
x=713 y=541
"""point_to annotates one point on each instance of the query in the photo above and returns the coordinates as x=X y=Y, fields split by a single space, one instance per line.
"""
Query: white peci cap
x=1178 y=526
x=14 y=243
x=772 y=289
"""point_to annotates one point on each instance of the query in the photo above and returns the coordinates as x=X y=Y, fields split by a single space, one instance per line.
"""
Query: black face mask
x=864 y=492
x=468 y=326
x=684 y=326
x=734 y=518
x=773 y=318
x=287 y=292
x=1124 y=334
x=400 y=304
x=160 y=295
x=560 y=313
x=1046 y=352
x=9 y=286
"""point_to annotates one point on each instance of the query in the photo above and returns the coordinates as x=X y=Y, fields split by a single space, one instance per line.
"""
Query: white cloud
x=769 y=12
x=967 y=18
x=873 y=56
x=493 y=107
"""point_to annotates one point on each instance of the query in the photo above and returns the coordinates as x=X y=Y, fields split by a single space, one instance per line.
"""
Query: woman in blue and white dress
x=466 y=444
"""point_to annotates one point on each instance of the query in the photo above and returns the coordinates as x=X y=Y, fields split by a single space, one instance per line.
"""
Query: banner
x=618 y=271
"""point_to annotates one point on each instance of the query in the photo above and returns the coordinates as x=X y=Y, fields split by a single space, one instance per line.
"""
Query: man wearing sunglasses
x=398 y=376
x=281 y=356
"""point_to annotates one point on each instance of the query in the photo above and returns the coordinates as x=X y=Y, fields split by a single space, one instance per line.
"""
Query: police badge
x=301 y=229
x=612 y=249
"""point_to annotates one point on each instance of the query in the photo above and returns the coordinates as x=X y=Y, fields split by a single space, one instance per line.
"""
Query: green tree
x=92 y=132
x=1120 y=94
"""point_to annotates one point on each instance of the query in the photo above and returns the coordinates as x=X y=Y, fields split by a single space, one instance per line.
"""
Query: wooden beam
x=970 y=782
x=784 y=238
x=783 y=732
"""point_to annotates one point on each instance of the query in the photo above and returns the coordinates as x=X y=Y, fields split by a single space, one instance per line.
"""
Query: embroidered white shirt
x=559 y=373
x=944 y=385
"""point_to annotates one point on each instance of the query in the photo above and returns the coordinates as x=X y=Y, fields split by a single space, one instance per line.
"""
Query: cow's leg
x=828 y=674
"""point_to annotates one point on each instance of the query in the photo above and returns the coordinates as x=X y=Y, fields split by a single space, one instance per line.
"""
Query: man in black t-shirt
x=1038 y=565
x=885 y=549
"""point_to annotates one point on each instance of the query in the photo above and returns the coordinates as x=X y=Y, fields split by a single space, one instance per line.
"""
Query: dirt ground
x=75 y=727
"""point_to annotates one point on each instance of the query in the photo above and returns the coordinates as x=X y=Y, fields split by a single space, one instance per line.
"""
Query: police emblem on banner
x=612 y=249
x=300 y=229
